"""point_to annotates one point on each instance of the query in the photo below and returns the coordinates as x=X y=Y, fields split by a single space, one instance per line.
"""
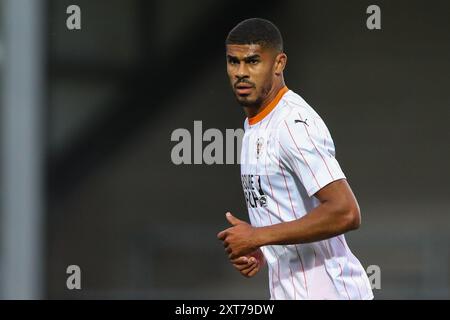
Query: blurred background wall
x=92 y=112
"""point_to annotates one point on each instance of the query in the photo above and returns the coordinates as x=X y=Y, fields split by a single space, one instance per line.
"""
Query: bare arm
x=337 y=213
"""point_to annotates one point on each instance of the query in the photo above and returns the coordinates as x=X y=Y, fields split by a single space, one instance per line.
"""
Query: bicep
x=338 y=192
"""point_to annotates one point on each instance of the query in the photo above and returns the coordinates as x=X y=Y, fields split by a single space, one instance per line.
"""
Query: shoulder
x=299 y=123
x=294 y=111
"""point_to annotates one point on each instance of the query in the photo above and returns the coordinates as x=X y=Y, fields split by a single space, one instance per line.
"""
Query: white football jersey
x=287 y=156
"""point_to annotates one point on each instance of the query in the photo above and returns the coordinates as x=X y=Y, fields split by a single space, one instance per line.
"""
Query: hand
x=239 y=240
x=249 y=265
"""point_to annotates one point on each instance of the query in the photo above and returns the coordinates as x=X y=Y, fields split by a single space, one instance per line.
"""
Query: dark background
x=141 y=227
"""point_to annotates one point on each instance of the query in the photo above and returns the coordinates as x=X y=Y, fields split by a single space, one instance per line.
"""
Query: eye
x=254 y=61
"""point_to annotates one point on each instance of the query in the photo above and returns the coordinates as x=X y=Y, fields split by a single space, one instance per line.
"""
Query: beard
x=247 y=101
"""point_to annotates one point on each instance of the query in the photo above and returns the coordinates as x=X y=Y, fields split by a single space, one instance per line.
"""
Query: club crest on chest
x=259 y=146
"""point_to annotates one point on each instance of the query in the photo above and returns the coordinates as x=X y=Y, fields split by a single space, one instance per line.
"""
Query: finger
x=231 y=219
x=246 y=272
x=222 y=235
x=241 y=260
x=249 y=268
x=253 y=272
x=232 y=255
x=241 y=267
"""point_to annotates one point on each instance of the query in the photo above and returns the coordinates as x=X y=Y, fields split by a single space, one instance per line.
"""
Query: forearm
x=323 y=222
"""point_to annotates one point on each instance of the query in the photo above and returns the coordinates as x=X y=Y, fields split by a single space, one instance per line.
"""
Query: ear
x=280 y=63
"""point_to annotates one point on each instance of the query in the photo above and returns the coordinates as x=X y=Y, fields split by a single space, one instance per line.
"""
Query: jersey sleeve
x=307 y=148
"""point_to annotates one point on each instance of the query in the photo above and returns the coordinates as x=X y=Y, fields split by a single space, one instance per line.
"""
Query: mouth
x=244 y=89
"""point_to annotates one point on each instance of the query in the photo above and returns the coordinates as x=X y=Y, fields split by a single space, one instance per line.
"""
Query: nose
x=242 y=72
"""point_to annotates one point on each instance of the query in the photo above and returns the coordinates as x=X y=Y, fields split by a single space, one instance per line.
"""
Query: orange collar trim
x=266 y=110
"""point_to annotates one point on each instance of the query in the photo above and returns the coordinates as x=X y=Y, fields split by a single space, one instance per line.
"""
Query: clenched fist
x=249 y=265
x=238 y=240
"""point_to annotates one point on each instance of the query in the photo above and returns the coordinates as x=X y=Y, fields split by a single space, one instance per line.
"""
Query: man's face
x=250 y=68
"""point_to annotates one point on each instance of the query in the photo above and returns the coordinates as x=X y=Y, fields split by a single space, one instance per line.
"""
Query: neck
x=250 y=112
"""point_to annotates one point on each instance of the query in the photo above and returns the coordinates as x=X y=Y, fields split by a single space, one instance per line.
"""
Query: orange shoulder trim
x=266 y=110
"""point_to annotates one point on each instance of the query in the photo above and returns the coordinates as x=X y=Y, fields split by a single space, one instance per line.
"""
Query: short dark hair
x=256 y=31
